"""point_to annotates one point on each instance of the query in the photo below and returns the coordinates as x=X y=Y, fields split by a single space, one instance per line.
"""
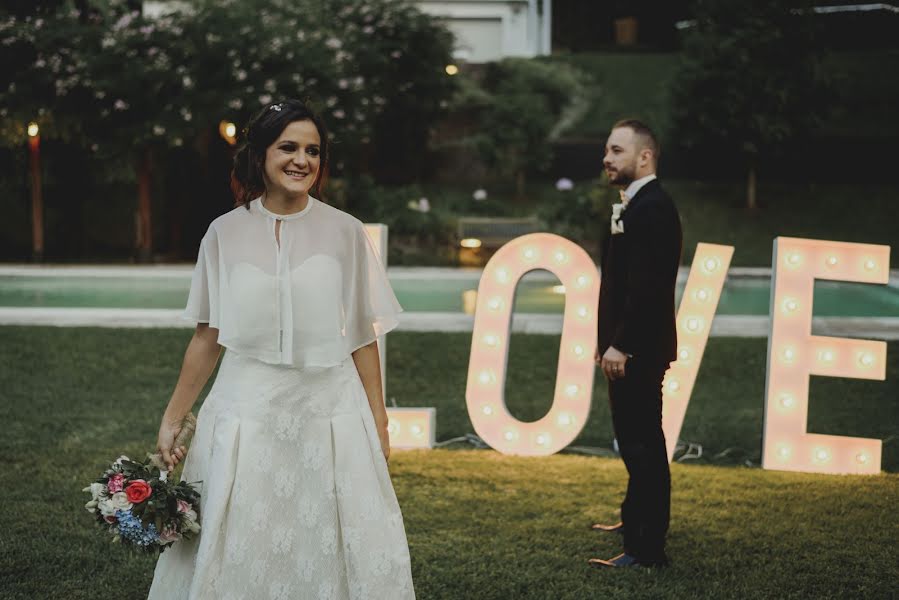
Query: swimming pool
x=418 y=290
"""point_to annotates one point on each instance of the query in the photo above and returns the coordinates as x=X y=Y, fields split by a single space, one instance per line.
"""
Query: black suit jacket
x=639 y=273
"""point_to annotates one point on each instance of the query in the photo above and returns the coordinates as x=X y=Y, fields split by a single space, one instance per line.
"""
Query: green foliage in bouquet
x=137 y=504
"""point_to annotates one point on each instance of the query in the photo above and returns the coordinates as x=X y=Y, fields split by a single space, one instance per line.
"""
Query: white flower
x=240 y=74
x=564 y=184
x=339 y=114
x=119 y=460
x=187 y=82
x=178 y=141
x=236 y=104
x=617 y=226
x=158 y=130
x=186 y=114
x=95 y=489
x=265 y=98
x=190 y=521
x=120 y=501
x=479 y=194
x=106 y=507
x=423 y=205
x=120 y=105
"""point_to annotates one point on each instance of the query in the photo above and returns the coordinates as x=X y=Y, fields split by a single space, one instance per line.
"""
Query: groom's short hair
x=646 y=137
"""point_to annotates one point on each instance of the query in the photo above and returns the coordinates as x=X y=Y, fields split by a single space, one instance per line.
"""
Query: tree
x=514 y=109
x=129 y=87
x=750 y=80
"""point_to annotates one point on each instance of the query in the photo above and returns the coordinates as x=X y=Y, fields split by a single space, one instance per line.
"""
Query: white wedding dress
x=297 y=500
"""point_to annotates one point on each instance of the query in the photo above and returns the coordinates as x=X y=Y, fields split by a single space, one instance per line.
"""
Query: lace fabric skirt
x=296 y=500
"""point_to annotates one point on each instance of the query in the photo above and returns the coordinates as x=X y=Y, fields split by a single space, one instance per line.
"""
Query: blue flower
x=132 y=530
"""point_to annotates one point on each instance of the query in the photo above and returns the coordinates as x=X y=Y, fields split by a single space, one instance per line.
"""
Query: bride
x=291 y=444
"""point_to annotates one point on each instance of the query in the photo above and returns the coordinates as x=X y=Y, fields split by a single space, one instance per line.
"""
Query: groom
x=637 y=337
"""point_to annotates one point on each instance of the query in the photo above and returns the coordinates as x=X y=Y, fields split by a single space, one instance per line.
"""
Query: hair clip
x=276 y=107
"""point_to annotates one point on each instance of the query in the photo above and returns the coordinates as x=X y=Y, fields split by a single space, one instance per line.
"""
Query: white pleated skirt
x=297 y=500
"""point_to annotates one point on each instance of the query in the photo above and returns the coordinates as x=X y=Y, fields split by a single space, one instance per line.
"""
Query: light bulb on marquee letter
x=694 y=317
x=794 y=354
x=408 y=427
x=484 y=392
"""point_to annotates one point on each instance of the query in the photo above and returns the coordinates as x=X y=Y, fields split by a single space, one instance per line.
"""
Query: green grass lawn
x=480 y=524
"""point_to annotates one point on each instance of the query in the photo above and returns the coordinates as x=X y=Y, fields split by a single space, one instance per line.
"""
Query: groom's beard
x=623 y=177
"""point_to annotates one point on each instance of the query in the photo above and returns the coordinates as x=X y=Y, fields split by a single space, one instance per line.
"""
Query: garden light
x=33 y=130
x=794 y=355
x=228 y=131
x=469 y=301
x=452 y=69
x=470 y=243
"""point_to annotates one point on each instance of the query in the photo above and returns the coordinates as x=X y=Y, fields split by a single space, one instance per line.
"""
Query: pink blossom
x=169 y=534
x=183 y=506
x=116 y=483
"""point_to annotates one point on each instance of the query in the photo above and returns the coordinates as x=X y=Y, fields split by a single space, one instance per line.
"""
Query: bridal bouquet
x=137 y=505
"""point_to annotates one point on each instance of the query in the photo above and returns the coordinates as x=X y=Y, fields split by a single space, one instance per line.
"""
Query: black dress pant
x=636 y=402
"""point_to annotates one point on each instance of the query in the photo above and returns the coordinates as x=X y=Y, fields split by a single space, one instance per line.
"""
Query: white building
x=485 y=30
x=488 y=30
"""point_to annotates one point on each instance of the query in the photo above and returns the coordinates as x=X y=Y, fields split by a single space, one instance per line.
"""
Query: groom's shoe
x=616 y=528
x=626 y=560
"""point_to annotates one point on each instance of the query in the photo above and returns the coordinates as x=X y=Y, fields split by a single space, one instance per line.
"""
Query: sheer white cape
x=311 y=301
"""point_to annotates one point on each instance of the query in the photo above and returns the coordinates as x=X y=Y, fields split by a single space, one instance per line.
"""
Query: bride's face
x=293 y=161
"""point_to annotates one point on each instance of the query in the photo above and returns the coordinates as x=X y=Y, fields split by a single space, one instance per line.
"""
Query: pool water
x=535 y=294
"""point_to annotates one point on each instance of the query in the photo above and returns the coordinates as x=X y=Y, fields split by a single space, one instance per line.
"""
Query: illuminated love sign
x=490 y=346
x=694 y=323
x=794 y=354
x=407 y=427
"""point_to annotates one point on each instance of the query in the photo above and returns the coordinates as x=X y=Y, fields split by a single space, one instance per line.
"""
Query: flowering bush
x=123 y=78
x=138 y=506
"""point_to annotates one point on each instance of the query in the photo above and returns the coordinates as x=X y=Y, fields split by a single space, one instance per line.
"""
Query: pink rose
x=169 y=535
x=138 y=491
x=115 y=483
x=183 y=506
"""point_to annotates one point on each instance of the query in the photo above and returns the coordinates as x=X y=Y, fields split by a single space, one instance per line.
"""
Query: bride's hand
x=168 y=431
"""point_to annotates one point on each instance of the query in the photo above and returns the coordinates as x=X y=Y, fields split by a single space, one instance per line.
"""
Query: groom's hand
x=612 y=363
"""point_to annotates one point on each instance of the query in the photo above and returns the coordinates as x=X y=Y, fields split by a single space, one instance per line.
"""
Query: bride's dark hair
x=261 y=132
